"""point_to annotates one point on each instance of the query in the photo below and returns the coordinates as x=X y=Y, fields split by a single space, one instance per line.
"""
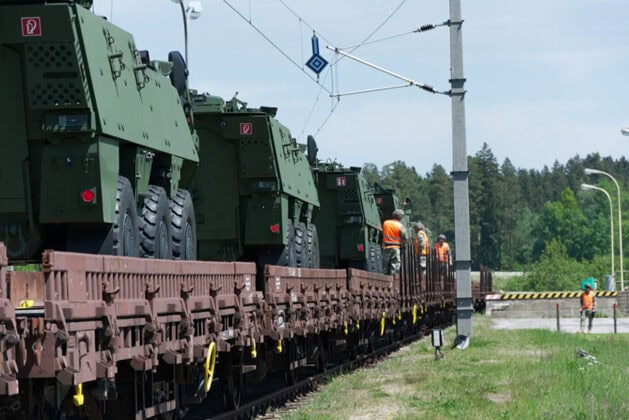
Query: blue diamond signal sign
x=316 y=63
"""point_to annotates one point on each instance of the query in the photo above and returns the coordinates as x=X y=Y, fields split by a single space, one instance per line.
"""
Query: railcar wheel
x=155 y=230
x=183 y=226
x=322 y=360
x=290 y=374
x=232 y=382
x=313 y=247
x=125 y=231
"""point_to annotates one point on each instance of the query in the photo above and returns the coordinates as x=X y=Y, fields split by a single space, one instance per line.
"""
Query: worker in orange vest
x=588 y=307
x=393 y=238
x=422 y=245
x=443 y=254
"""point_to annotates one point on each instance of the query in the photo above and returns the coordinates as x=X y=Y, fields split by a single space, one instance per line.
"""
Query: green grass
x=532 y=374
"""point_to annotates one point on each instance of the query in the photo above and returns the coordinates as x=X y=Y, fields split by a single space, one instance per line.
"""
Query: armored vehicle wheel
x=284 y=256
x=313 y=247
x=120 y=238
x=301 y=245
x=155 y=230
x=125 y=232
x=373 y=263
x=184 y=226
x=288 y=254
x=378 y=261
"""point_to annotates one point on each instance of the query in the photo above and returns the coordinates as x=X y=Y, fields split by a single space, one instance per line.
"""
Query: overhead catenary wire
x=283 y=3
x=321 y=84
x=357 y=92
x=270 y=41
x=384 y=22
x=334 y=68
x=335 y=97
x=421 y=29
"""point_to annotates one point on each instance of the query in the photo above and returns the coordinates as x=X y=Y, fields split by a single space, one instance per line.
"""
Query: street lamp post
x=611 y=217
x=191 y=12
x=589 y=171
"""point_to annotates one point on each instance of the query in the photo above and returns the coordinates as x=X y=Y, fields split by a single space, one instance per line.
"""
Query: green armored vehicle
x=96 y=149
x=388 y=202
x=348 y=223
x=254 y=193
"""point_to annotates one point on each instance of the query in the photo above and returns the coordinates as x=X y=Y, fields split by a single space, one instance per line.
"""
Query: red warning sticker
x=341 y=181
x=246 y=129
x=31 y=26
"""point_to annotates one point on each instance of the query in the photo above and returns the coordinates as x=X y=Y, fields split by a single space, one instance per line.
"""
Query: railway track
x=101 y=337
x=259 y=405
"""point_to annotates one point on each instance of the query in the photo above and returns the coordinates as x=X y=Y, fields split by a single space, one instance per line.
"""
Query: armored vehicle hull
x=255 y=195
x=348 y=223
x=95 y=139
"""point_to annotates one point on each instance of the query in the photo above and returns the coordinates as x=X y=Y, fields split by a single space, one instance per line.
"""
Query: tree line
x=521 y=219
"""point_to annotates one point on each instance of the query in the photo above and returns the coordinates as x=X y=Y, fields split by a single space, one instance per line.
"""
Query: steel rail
x=282 y=396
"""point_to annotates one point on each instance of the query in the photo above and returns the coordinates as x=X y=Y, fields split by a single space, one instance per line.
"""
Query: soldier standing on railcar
x=394 y=236
x=422 y=245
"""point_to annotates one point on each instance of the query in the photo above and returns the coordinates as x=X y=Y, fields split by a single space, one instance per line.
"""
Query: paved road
x=569 y=325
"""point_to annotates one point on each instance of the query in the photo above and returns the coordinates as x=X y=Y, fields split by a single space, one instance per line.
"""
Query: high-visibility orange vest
x=426 y=245
x=587 y=301
x=391 y=233
x=442 y=251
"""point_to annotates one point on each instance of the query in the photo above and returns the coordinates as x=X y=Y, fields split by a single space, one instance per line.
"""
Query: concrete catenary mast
x=464 y=306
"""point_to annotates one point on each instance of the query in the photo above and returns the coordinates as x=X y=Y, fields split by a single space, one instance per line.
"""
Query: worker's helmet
x=442 y=236
x=419 y=226
x=587 y=286
x=398 y=214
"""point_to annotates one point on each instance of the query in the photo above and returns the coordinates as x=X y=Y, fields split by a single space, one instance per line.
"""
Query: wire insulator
x=428 y=88
x=424 y=28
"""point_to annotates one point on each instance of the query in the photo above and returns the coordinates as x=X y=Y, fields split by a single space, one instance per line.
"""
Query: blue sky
x=546 y=80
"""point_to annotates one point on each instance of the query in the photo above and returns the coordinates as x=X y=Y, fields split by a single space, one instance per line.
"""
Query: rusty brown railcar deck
x=303 y=301
x=84 y=313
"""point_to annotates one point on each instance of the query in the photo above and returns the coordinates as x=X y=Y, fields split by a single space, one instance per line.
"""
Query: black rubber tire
x=155 y=229
x=288 y=254
x=125 y=233
x=301 y=245
x=314 y=257
x=378 y=260
x=183 y=226
x=369 y=263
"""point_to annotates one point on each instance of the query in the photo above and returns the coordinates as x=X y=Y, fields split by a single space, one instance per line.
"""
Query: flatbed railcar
x=100 y=336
